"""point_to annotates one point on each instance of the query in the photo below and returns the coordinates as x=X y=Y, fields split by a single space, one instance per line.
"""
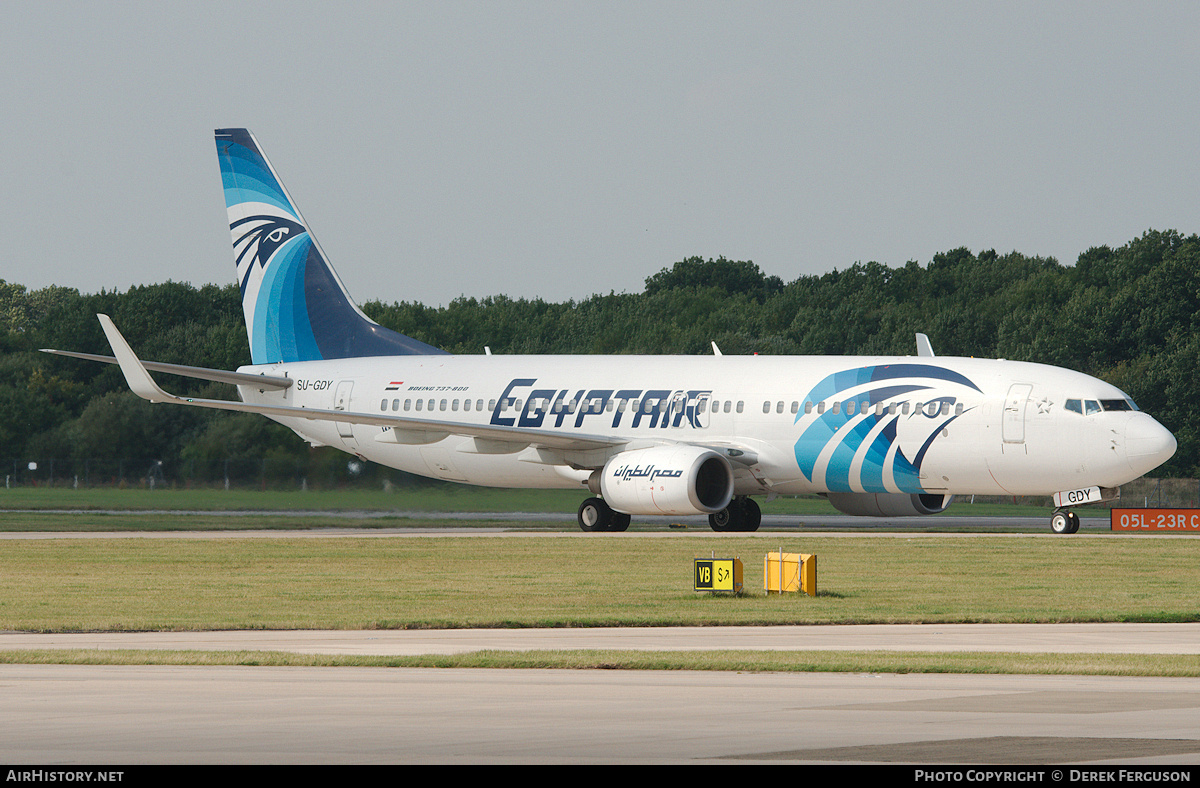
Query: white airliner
x=649 y=435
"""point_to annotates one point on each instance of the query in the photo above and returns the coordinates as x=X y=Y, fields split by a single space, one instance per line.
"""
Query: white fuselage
x=801 y=424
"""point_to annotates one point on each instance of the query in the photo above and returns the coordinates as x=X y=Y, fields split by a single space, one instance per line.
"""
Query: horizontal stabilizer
x=265 y=382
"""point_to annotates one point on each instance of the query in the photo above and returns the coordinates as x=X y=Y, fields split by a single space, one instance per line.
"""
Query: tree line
x=1128 y=315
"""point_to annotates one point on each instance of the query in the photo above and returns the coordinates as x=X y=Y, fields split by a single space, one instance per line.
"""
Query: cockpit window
x=1086 y=407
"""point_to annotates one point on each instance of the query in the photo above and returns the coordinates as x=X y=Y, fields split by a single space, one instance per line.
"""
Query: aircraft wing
x=139 y=380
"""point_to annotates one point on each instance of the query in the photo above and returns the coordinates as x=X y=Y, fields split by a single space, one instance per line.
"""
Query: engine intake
x=667 y=480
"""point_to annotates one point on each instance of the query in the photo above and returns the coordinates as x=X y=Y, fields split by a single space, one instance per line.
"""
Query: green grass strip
x=73 y=585
x=741 y=661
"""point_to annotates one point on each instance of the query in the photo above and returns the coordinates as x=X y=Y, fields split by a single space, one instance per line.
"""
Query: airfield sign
x=717 y=574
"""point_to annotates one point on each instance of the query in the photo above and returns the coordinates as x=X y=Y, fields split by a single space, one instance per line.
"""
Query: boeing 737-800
x=649 y=435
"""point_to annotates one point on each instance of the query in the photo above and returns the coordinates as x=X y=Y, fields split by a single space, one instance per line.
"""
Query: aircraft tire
x=1060 y=523
x=742 y=515
x=1073 y=519
x=595 y=515
x=619 y=522
x=724 y=520
x=751 y=515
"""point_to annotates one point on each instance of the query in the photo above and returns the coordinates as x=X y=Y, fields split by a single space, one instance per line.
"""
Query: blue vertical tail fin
x=296 y=307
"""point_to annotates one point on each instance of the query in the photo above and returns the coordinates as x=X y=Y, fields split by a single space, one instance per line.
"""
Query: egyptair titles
x=555 y=407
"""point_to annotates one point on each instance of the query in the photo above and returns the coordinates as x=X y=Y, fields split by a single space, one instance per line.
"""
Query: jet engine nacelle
x=667 y=480
x=889 y=504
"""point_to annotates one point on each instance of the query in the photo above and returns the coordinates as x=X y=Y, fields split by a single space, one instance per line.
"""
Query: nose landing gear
x=1064 y=522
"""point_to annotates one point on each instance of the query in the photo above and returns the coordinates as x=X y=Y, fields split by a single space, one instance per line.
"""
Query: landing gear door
x=1013 y=427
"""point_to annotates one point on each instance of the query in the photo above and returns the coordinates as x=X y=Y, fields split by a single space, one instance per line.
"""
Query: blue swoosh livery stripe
x=847 y=444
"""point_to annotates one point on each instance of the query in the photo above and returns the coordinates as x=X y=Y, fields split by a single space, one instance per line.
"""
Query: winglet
x=136 y=376
x=923 y=346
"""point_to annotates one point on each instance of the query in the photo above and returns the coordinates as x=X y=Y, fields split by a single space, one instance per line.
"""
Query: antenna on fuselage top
x=923 y=346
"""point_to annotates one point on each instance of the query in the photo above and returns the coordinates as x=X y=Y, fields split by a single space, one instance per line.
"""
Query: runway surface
x=657 y=528
x=693 y=525
x=235 y=715
x=222 y=714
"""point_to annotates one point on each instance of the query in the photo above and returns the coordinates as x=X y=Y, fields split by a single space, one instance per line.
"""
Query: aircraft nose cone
x=1148 y=444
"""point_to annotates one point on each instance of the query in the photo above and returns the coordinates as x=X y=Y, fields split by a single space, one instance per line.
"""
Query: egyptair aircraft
x=649 y=435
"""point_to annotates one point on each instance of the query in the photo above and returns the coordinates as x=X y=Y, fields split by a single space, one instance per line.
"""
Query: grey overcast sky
x=561 y=149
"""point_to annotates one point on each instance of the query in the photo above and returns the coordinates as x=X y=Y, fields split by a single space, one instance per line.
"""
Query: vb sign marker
x=717 y=574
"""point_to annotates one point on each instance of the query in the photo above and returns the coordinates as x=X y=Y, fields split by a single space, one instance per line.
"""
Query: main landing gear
x=1064 y=522
x=742 y=515
x=596 y=515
